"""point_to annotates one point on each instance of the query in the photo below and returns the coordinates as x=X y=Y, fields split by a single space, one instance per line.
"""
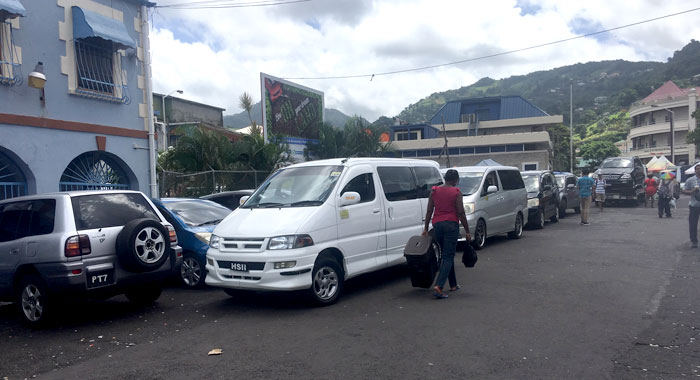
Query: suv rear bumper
x=74 y=278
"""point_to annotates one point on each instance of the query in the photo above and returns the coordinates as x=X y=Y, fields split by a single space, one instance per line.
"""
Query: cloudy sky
x=214 y=55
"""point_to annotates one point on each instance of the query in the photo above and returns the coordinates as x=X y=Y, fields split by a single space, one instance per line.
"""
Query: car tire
x=517 y=232
x=33 y=301
x=562 y=208
x=143 y=245
x=555 y=217
x=144 y=295
x=540 y=220
x=326 y=282
x=192 y=272
x=479 y=235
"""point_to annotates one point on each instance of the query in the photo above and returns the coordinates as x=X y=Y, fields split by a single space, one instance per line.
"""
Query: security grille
x=99 y=69
x=92 y=171
x=12 y=181
x=10 y=68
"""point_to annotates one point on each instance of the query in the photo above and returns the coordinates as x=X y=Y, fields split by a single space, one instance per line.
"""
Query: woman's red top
x=651 y=186
x=444 y=200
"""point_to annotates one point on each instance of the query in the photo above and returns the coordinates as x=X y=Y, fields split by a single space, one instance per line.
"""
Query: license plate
x=100 y=278
x=240 y=267
x=615 y=196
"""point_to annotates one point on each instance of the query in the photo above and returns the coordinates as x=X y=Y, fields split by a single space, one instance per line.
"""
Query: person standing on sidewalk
x=446 y=210
x=692 y=188
x=600 y=191
x=585 y=187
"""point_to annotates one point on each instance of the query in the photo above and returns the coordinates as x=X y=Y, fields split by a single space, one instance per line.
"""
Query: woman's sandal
x=437 y=293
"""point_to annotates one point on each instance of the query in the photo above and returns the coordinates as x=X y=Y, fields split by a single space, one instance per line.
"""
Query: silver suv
x=92 y=243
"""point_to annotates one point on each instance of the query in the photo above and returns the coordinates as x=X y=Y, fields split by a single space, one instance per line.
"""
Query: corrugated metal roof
x=488 y=108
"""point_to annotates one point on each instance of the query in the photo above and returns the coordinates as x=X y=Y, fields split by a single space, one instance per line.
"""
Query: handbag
x=672 y=203
x=469 y=256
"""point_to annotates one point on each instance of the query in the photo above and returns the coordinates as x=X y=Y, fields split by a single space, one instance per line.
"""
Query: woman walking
x=649 y=189
x=446 y=210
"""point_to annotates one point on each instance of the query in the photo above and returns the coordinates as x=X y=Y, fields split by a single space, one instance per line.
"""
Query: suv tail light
x=78 y=245
x=173 y=235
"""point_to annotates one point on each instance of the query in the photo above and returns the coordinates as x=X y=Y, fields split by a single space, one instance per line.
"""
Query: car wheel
x=555 y=217
x=143 y=245
x=540 y=220
x=479 y=235
x=144 y=295
x=192 y=271
x=562 y=208
x=517 y=232
x=33 y=301
x=326 y=282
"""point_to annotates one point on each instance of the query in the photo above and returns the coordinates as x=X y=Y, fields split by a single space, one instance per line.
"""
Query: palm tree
x=199 y=150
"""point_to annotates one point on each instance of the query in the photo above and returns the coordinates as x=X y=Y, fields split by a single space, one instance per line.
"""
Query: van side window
x=363 y=184
x=427 y=177
x=511 y=179
x=491 y=180
x=398 y=183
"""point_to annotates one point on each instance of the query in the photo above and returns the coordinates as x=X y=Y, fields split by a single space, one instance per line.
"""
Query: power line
x=497 y=54
x=220 y=4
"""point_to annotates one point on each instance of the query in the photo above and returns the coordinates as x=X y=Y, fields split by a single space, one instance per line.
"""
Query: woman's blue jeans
x=446 y=235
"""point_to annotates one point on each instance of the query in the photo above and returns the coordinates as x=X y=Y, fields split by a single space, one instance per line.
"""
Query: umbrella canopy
x=667 y=175
x=662 y=163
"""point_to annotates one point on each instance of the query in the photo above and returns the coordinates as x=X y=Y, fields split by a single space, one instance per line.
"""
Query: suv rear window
x=110 y=210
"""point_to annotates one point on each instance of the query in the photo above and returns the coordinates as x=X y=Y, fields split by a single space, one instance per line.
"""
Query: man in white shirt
x=600 y=191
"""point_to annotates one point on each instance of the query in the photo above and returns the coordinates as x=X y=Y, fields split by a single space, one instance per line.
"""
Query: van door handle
x=376 y=211
x=14 y=251
x=390 y=211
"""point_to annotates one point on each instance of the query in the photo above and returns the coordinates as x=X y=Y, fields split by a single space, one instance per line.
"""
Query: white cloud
x=215 y=55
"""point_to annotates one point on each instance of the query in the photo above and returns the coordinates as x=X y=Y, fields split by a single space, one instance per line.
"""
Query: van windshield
x=296 y=187
x=469 y=182
x=532 y=183
x=617 y=162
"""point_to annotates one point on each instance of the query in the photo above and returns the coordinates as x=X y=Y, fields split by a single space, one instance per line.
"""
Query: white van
x=314 y=225
x=495 y=201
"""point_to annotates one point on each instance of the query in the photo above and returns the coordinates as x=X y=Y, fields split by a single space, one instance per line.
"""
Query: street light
x=571 y=125
x=165 y=119
x=673 y=160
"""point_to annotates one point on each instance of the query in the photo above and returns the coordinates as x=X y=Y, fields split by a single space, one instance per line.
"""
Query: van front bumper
x=260 y=273
x=471 y=220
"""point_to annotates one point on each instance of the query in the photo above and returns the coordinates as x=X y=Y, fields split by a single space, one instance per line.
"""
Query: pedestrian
x=446 y=210
x=585 y=187
x=665 y=191
x=650 y=186
x=692 y=188
x=600 y=191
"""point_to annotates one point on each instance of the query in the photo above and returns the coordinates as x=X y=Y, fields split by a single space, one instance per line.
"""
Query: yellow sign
x=344 y=214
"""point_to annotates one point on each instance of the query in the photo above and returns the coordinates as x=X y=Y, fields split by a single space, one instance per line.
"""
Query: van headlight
x=214 y=241
x=289 y=242
x=203 y=237
x=468 y=208
x=534 y=202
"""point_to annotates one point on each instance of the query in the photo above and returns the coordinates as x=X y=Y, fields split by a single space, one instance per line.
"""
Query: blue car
x=194 y=220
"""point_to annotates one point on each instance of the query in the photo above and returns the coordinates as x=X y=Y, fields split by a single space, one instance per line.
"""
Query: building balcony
x=663 y=127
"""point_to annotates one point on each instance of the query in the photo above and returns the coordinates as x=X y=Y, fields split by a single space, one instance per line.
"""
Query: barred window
x=10 y=69
x=95 y=62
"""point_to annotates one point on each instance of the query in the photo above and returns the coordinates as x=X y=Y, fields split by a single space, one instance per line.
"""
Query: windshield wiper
x=215 y=221
x=270 y=205
x=306 y=203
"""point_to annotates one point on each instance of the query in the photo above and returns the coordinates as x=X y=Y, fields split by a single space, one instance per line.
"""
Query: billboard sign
x=292 y=112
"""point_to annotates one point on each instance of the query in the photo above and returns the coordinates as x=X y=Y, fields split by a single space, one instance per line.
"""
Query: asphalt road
x=617 y=299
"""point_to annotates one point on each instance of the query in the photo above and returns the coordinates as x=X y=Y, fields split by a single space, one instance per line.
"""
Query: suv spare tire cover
x=143 y=245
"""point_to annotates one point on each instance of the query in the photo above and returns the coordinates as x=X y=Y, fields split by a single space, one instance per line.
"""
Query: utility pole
x=445 y=148
x=571 y=125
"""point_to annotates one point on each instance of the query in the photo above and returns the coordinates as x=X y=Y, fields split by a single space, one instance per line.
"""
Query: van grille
x=611 y=176
x=242 y=244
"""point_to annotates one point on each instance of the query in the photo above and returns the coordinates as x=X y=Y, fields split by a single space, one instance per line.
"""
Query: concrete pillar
x=692 y=106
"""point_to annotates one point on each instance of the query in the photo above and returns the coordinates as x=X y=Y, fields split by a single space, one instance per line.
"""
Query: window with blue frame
x=424 y=153
x=498 y=148
x=466 y=150
x=515 y=148
x=482 y=149
x=10 y=68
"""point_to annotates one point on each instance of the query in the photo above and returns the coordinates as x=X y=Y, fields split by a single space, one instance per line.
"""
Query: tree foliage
x=597 y=151
x=357 y=139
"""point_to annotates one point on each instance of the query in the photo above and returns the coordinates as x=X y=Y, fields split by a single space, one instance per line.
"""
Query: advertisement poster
x=291 y=111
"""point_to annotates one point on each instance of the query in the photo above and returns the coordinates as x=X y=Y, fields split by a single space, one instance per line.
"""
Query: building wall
x=47 y=138
x=184 y=112
x=541 y=157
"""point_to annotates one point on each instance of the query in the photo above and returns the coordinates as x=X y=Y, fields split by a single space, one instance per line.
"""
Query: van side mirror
x=350 y=198
x=491 y=189
x=243 y=199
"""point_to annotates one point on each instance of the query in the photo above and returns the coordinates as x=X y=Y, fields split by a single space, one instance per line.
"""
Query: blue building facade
x=486 y=109
x=88 y=127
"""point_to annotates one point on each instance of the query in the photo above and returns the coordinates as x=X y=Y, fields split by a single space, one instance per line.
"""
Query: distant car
x=542 y=197
x=194 y=220
x=568 y=194
x=624 y=178
x=229 y=199
x=93 y=243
